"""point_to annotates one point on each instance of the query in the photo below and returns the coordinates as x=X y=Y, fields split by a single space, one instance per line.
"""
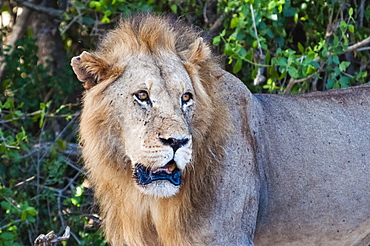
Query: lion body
x=255 y=169
x=312 y=155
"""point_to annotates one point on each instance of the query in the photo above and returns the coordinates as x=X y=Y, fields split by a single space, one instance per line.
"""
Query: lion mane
x=130 y=216
x=179 y=152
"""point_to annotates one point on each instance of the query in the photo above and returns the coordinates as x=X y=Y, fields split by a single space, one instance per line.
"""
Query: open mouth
x=146 y=175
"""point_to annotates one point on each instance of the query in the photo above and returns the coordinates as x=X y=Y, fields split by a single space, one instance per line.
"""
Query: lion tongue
x=168 y=168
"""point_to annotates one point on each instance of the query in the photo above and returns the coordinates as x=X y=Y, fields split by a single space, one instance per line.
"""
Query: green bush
x=295 y=47
x=40 y=169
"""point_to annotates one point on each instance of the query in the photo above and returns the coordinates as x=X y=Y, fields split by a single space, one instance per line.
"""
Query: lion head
x=149 y=85
x=152 y=119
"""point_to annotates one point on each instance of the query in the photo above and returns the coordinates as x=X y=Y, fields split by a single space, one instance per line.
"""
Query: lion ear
x=89 y=69
x=197 y=52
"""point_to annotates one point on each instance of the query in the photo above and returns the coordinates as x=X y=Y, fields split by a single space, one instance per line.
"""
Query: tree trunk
x=46 y=30
x=50 y=44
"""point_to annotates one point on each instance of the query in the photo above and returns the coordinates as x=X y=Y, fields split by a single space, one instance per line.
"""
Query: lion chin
x=160 y=182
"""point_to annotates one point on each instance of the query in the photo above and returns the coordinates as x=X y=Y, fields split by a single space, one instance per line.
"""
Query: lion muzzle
x=145 y=175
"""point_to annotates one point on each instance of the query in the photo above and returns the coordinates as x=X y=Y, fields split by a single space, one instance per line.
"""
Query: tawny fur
x=130 y=216
x=296 y=166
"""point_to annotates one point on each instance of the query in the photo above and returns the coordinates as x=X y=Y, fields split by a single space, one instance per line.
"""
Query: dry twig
x=50 y=238
x=56 y=13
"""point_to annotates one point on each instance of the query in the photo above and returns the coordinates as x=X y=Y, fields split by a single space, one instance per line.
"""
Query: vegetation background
x=277 y=46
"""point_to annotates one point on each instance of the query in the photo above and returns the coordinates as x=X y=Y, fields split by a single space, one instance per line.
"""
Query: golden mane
x=128 y=215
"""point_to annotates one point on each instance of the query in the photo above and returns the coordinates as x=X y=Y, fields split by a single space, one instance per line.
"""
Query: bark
x=50 y=45
x=43 y=17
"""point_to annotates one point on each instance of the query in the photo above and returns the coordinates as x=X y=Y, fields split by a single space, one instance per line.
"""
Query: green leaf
x=96 y=5
x=105 y=19
x=311 y=70
x=350 y=11
x=296 y=16
x=336 y=59
x=216 y=40
x=273 y=73
x=18 y=113
x=75 y=201
x=293 y=72
x=300 y=47
x=344 y=81
x=324 y=52
x=267 y=57
x=174 y=8
x=282 y=61
x=31 y=211
x=234 y=22
x=7 y=236
x=24 y=215
x=329 y=83
x=272 y=5
x=88 y=20
x=255 y=44
x=31 y=219
x=228 y=49
x=79 y=190
x=336 y=72
x=336 y=85
x=351 y=28
x=288 y=12
x=238 y=66
x=5 y=205
x=9 y=104
x=343 y=65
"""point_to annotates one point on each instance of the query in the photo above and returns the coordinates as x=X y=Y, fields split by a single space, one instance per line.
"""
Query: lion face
x=154 y=105
x=144 y=88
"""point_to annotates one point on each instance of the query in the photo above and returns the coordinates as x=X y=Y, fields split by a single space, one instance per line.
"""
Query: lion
x=180 y=152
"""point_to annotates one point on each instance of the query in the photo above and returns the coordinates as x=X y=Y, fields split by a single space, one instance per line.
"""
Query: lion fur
x=130 y=216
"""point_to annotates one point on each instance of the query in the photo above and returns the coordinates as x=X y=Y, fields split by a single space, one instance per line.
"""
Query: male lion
x=181 y=153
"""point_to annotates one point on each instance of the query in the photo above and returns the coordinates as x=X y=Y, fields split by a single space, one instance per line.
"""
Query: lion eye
x=142 y=96
x=186 y=97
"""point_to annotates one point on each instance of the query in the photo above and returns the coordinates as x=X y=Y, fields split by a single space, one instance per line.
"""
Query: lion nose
x=175 y=143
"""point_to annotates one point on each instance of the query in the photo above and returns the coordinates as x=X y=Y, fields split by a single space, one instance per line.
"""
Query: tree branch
x=292 y=82
x=49 y=11
x=50 y=238
x=351 y=48
x=358 y=45
x=260 y=56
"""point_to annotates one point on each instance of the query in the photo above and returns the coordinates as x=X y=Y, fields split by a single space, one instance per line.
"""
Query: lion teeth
x=162 y=169
x=171 y=167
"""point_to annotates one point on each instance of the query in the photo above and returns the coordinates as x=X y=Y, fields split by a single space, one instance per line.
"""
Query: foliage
x=273 y=46
x=303 y=45
x=40 y=173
